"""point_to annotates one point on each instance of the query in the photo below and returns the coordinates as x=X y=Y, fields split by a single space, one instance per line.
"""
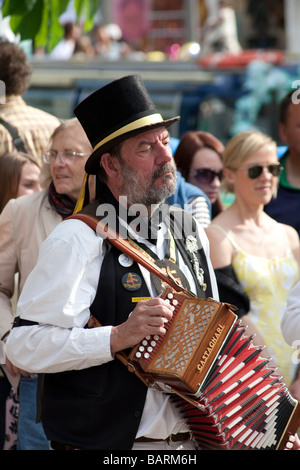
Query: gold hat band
x=139 y=123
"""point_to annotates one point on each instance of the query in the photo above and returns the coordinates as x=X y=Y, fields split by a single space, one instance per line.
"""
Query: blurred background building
x=223 y=65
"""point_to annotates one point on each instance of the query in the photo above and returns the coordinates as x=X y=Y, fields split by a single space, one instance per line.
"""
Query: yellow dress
x=267 y=282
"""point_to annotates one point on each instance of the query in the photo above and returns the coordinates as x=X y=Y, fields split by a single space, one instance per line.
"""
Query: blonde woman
x=261 y=253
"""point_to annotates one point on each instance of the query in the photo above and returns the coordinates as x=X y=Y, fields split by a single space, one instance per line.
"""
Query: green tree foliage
x=39 y=19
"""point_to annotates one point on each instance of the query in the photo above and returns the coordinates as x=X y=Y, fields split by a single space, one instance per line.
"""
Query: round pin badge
x=131 y=281
x=125 y=261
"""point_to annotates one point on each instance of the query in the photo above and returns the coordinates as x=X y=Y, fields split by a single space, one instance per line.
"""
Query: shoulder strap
x=17 y=140
x=232 y=241
x=123 y=245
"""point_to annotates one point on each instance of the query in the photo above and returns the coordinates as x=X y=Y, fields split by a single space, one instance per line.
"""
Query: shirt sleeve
x=58 y=300
x=290 y=322
x=199 y=209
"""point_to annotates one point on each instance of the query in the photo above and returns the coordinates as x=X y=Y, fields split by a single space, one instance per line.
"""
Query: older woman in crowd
x=24 y=224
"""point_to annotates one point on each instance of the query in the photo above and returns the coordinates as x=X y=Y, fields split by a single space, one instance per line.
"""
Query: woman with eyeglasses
x=24 y=224
x=199 y=159
x=261 y=253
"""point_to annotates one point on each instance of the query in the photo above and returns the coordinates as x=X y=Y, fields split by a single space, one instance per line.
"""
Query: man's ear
x=110 y=165
x=229 y=175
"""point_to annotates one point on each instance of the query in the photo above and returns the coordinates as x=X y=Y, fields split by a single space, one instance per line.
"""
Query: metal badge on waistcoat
x=192 y=247
x=125 y=261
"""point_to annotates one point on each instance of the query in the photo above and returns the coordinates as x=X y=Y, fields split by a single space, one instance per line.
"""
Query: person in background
x=219 y=32
x=199 y=159
x=24 y=224
x=285 y=207
x=290 y=322
x=64 y=50
x=262 y=253
x=33 y=125
x=19 y=174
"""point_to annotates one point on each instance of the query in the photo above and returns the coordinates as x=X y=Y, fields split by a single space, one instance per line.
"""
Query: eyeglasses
x=66 y=156
x=206 y=175
x=256 y=171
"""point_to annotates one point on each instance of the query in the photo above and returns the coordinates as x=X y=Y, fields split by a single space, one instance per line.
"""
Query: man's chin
x=163 y=192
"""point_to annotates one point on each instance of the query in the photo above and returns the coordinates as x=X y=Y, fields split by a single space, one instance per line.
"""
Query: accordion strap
x=125 y=246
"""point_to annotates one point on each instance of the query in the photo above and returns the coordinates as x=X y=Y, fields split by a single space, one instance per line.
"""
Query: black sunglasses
x=256 y=171
x=206 y=175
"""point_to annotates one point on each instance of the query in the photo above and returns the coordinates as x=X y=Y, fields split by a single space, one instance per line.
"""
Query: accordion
x=227 y=392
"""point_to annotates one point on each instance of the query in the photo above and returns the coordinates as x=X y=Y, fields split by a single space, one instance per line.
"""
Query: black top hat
x=113 y=113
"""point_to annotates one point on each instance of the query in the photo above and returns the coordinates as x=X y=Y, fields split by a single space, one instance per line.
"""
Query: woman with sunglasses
x=263 y=254
x=199 y=159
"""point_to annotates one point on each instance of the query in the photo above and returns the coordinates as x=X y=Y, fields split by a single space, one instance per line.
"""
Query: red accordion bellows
x=227 y=392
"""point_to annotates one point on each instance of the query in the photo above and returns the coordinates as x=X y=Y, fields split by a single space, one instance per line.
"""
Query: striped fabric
x=199 y=209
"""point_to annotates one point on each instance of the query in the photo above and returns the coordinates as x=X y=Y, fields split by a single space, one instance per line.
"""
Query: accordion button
x=141 y=348
x=146 y=355
x=138 y=355
x=170 y=296
x=175 y=302
x=153 y=343
x=156 y=337
x=149 y=349
x=144 y=342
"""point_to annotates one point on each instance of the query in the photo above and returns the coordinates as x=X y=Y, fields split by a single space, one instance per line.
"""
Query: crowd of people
x=104 y=41
x=57 y=273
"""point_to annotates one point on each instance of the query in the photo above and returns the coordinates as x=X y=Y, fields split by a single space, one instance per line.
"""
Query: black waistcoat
x=100 y=407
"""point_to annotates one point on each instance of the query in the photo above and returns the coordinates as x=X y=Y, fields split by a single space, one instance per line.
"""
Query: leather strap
x=17 y=140
x=124 y=245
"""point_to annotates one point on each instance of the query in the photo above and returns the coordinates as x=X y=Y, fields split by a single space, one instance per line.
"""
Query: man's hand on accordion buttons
x=148 y=318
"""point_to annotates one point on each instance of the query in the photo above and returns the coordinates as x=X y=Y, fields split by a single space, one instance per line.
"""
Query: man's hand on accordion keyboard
x=147 y=318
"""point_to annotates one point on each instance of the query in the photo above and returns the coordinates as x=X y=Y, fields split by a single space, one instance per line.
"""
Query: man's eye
x=146 y=149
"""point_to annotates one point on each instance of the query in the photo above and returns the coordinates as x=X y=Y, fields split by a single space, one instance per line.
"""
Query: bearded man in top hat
x=89 y=399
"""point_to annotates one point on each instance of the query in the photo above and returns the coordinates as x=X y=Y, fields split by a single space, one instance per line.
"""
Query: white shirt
x=58 y=294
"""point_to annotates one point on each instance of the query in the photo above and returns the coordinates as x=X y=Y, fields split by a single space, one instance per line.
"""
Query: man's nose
x=163 y=153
